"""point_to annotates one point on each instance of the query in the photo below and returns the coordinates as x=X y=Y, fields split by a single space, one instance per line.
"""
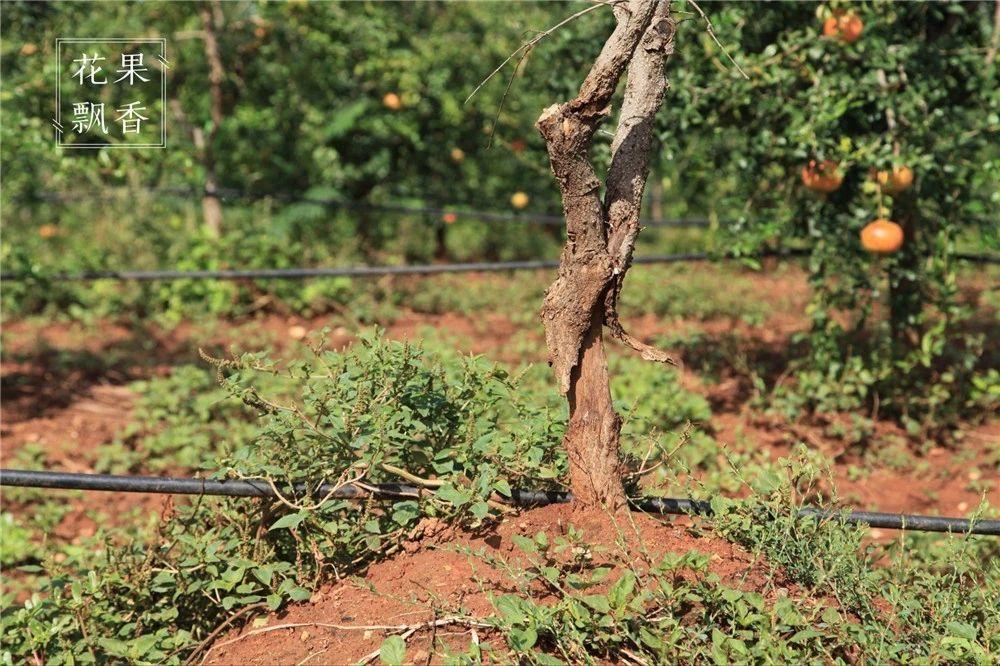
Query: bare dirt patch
x=942 y=480
x=437 y=577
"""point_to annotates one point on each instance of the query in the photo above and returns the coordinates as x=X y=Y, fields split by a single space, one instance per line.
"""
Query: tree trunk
x=600 y=236
x=592 y=439
x=211 y=207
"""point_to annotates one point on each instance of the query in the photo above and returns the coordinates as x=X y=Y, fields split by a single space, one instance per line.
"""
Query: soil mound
x=440 y=574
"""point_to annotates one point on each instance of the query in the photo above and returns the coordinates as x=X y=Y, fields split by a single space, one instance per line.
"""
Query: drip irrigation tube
x=490 y=216
x=380 y=271
x=244 y=488
x=226 y=194
x=362 y=271
x=978 y=258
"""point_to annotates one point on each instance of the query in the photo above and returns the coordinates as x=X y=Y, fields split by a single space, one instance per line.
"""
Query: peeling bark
x=600 y=236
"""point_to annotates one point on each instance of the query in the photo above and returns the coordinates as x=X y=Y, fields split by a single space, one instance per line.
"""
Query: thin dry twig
x=412 y=478
x=311 y=655
x=711 y=33
x=219 y=629
x=503 y=98
x=341 y=483
x=528 y=45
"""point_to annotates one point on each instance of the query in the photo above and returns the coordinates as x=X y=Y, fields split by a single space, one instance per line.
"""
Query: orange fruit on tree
x=844 y=27
x=882 y=237
x=850 y=26
x=824 y=176
x=896 y=181
x=831 y=27
x=457 y=155
x=392 y=101
x=449 y=218
x=519 y=200
x=29 y=49
x=48 y=231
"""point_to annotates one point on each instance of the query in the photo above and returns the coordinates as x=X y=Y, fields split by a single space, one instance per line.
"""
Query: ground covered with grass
x=91 y=575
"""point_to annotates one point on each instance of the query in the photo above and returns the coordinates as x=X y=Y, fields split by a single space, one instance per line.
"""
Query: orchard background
x=305 y=134
x=332 y=101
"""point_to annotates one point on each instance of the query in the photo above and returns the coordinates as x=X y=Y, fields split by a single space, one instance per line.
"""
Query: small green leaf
x=620 y=592
x=114 y=646
x=393 y=651
x=144 y=644
x=299 y=594
x=452 y=495
x=962 y=630
x=526 y=545
x=502 y=487
x=480 y=510
x=289 y=521
x=522 y=640
x=598 y=602
x=511 y=607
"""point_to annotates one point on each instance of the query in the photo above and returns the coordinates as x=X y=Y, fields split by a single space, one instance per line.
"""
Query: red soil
x=942 y=481
x=431 y=579
x=62 y=390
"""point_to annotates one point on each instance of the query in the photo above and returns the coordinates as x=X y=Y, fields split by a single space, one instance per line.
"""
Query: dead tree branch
x=711 y=33
x=524 y=48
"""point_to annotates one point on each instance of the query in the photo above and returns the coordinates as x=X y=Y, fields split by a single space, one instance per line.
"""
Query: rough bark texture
x=600 y=237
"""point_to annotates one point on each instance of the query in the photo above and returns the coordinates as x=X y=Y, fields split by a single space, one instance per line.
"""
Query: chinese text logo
x=111 y=92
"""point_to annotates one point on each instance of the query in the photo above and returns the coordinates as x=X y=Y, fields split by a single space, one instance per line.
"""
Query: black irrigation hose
x=245 y=488
x=978 y=258
x=379 y=271
x=483 y=215
x=359 y=271
x=489 y=216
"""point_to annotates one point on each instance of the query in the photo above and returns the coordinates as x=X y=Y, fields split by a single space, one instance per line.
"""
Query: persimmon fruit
x=882 y=237
x=824 y=176
x=457 y=155
x=48 y=231
x=449 y=218
x=519 y=200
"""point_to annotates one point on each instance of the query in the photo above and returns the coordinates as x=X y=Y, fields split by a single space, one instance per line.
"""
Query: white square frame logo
x=161 y=56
